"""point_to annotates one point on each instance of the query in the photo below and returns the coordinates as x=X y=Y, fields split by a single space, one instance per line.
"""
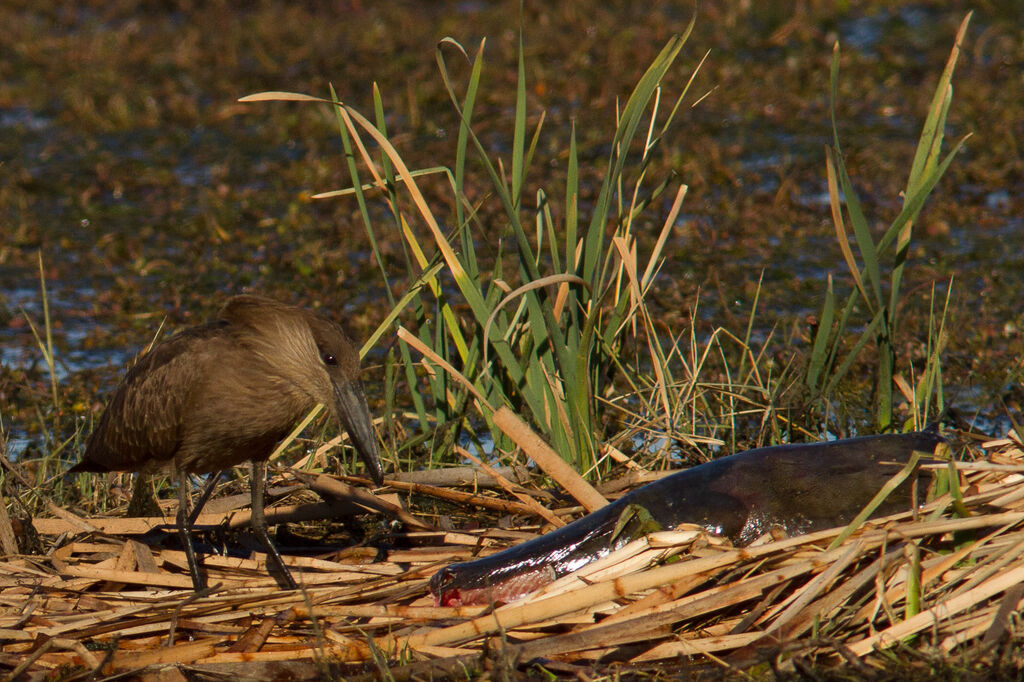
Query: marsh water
x=148 y=193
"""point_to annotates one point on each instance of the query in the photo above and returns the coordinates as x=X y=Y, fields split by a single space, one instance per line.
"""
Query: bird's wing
x=143 y=424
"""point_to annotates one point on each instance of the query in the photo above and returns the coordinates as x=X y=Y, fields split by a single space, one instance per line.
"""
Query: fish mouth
x=354 y=415
x=452 y=588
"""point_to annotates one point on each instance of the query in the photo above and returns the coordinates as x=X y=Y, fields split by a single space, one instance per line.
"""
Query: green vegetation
x=557 y=324
x=679 y=329
x=550 y=343
x=513 y=294
x=593 y=226
x=927 y=169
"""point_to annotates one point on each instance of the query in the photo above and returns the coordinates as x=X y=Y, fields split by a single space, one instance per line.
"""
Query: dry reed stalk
x=791 y=596
x=507 y=486
x=940 y=612
x=547 y=459
x=455 y=496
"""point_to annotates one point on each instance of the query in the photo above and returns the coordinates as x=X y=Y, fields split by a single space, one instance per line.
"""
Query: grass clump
x=536 y=298
x=546 y=323
x=877 y=288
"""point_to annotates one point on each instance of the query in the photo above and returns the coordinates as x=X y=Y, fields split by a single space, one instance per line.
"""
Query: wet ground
x=150 y=192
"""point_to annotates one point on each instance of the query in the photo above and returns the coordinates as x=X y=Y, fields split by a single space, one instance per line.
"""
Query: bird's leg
x=185 y=529
x=259 y=527
x=211 y=483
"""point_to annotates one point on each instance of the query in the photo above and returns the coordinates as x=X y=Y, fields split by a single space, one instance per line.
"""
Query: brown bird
x=227 y=391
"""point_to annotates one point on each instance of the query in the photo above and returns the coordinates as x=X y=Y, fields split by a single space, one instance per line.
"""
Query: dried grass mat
x=935 y=583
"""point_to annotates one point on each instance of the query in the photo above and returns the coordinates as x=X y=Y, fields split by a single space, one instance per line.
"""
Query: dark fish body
x=796 y=488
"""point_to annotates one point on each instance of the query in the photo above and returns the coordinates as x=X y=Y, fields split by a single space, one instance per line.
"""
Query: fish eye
x=329 y=359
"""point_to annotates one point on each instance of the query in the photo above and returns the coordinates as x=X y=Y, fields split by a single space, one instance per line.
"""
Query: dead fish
x=794 y=488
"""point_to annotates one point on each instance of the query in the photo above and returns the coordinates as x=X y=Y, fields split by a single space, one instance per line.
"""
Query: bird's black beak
x=354 y=415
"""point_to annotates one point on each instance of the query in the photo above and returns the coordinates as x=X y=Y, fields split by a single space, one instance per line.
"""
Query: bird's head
x=315 y=355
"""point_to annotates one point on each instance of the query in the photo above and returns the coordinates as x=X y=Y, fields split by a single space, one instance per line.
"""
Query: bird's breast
x=230 y=427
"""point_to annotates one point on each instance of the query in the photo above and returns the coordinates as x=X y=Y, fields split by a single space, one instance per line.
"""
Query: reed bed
x=914 y=588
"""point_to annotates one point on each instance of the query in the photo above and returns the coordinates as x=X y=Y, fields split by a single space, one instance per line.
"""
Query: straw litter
x=946 y=581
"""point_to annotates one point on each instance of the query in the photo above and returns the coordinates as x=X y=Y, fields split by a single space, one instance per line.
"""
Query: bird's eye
x=329 y=359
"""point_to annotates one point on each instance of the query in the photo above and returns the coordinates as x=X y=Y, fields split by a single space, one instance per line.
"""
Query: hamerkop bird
x=221 y=393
